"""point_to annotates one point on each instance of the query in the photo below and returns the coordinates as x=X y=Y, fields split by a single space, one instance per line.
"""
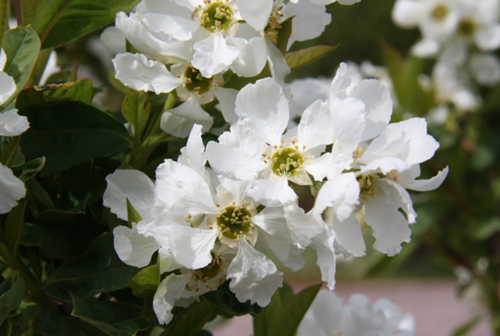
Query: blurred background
x=448 y=277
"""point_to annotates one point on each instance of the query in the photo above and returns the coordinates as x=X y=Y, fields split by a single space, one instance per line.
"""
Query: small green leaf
x=287 y=320
x=98 y=270
x=113 y=318
x=284 y=34
x=136 y=110
x=21 y=45
x=9 y=151
x=262 y=322
x=132 y=214
x=145 y=283
x=14 y=228
x=300 y=58
x=12 y=298
x=467 y=327
x=69 y=133
x=4 y=252
x=188 y=322
x=29 y=169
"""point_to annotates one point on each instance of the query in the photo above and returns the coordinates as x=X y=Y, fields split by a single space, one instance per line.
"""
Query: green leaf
x=467 y=327
x=21 y=45
x=69 y=133
x=300 y=58
x=487 y=228
x=12 y=298
x=284 y=34
x=188 y=322
x=29 y=169
x=262 y=322
x=132 y=214
x=113 y=318
x=98 y=270
x=136 y=110
x=9 y=151
x=287 y=320
x=14 y=228
x=224 y=299
x=145 y=283
x=61 y=21
x=80 y=90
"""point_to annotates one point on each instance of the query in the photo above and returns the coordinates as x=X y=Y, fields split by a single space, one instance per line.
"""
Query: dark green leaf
x=14 y=228
x=136 y=110
x=60 y=77
x=262 y=322
x=4 y=17
x=226 y=301
x=467 y=327
x=98 y=270
x=29 y=169
x=204 y=333
x=287 y=320
x=69 y=133
x=9 y=151
x=12 y=298
x=189 y=321
x=113 y=318
x=300 y=58
x=145 y=283
x=21 y=45
x=60 y=21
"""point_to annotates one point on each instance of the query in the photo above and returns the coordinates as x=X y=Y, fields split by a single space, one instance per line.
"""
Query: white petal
x=425 y=48
x=180 y=28
x=256 y=12
x=485 y=69
x=133 y=248
x=303 y=227
x=131 y=184
x=167 y=260
x=390 y=227
x=169 y=291
x=327 y=260
x=12 y=124
x=253 y=276
x=430 y=184
x=11 y=189
x=237 y=189
x=213 y=55
x=385 y=165
x=191 y=247
x=183 y=190
x=277 y=63
x=233 y=162
x=265 y=106
x=7 y=87
x=488 y=38
x=329 y=165
x=227 y=101
x=180 y=120
x=378 y=104
x=3 y=59
x=193 y=155
x=349 y=235
x=340 y=193
x=141 y=74
x=349 y=123
x=252 y=57
x=272 y=193
x=400 y=196
x=309 y=20
x=323 y=316
x=407 y=13
x=288 y=254
x=114 y=40
x=316 y=126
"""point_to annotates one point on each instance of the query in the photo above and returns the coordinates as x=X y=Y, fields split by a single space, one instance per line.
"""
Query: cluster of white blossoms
x=461 y=34
x=11 y=124
x=327 y=317
x=215 y=224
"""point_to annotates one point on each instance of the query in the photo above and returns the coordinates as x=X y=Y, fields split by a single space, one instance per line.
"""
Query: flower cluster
x=218 y=223
x=461 y=34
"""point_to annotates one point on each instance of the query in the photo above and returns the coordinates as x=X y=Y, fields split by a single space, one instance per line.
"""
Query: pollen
x=287 y=162
x=234 y=222
x=195 y=82
x=217 y=17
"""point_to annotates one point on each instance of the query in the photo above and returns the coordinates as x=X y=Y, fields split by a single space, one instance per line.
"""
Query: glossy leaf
x=14 y=228
x=98 y=270
x=145 y=283
x=29 y=169
x=70 y=133
x=300 y=58
x=189 y=322
x=12 y=298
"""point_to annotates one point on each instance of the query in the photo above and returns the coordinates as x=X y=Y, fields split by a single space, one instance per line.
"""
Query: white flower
x=256 y=150
x=11 y=188
x=327 y=317
x=7 y=83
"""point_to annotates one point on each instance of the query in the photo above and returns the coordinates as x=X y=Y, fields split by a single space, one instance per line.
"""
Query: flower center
x=440 y=12
x=367 y=186
x=234 y=222
x=210 y=271
x=217 y=17
x=195 y=82
x=287 y=161
x=467 y=27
